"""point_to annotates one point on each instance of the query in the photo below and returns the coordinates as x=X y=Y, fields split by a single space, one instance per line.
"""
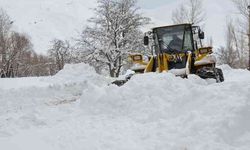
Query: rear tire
x=218 y=75
x=122 y=82
x=119 y=82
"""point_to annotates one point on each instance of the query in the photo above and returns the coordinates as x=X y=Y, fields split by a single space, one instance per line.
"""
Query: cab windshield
x=174 y=38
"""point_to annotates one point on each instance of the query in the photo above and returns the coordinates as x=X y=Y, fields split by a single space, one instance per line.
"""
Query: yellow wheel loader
x=176 y=49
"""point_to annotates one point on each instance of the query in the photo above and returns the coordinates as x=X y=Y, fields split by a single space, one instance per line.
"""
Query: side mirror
x=146 y=40
x=201 y=35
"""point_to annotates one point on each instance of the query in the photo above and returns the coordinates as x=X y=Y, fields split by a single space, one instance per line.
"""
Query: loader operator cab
x=175 y=39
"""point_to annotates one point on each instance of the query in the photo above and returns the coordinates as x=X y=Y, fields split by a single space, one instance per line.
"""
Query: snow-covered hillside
x=76 y=110
x=44 y=20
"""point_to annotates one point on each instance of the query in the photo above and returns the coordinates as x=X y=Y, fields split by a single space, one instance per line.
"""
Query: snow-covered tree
x=113 y=33
x=189 y=12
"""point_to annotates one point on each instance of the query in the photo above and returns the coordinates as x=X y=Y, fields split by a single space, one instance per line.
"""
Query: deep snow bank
x=78 y=73
x=179 y=113
x=23 y=101
x=17 y=83
x=150 y=112
x=31 y=93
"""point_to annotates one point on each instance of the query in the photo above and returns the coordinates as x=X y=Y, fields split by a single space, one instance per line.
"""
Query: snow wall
x=77 y=109
x=172 y=113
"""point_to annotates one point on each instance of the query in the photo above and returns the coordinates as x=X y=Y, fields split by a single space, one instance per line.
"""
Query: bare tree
x=190 y=12
x=60 y=52
x=243 y=29
x=18 y=46
x=241 y=6
x=234 y=53
x=227 y=55
x=12 y=46
x=5 y=25
x=114 y=32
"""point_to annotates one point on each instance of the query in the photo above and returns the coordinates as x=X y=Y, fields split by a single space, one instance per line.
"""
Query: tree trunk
x=249 y=38
x=114 y=72
x=119 y=66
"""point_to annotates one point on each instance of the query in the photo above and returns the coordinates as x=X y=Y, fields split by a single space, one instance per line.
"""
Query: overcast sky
x=151 y=4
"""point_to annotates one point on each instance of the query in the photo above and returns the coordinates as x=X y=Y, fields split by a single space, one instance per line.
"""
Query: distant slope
x=44 y=20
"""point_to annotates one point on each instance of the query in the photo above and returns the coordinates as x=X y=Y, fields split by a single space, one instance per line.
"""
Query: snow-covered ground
x=77 y=110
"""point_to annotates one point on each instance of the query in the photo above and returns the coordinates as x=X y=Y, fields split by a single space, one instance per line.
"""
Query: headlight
x=137 y=58
x=207 y=50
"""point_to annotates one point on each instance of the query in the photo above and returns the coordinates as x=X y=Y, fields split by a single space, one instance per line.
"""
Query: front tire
x=211 y=73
